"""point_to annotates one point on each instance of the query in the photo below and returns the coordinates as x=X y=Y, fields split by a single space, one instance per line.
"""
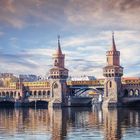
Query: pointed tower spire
x=59 y=47
x=113 y=43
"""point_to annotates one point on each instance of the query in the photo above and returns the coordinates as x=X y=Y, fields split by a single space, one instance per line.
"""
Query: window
x=110 y=84
x=55 y=85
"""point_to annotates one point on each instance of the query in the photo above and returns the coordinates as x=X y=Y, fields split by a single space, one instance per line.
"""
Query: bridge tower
x=58 y=76
x=112 y=73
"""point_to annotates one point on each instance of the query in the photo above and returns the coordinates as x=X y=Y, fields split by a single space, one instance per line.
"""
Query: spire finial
x=113 y=42
x=59 y=47
x=58 y=38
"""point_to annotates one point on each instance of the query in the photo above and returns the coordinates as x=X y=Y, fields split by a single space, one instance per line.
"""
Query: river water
x=70 y=124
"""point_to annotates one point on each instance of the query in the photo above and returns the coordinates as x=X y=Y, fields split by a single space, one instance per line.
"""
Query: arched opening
x=3 y=94
x=15 y=94
x=30 y=93
x=11 y=94
x=125 y=93
x=48 y=93
x=39 y=104
x=39 y=93
x=35 y=93
x=55 y=85
x=110 y=84
x=136 y=92
x=7 y=94
x=44 y=93
x=131 y=92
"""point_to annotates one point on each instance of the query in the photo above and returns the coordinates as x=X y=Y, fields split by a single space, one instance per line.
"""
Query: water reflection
x=69 y=123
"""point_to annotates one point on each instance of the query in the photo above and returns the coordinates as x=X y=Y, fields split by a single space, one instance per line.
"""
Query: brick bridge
x=40 y=91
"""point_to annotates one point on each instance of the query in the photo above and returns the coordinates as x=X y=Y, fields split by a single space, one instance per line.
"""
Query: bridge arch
x=39 y=103
x=48 y=93
x=136 y=92
x=11 y=94
x=125 y=93
x=131 y=92
x=35 y=93
x=81 y=91
x=15 y=93
x=39 y=93
x=31 y=93
x=3 y=93
x=44 y=93
x=7 y=93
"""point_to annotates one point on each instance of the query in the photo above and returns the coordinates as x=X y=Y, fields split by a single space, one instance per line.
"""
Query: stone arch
x=11 y=94
x=7 y=93
x=15 y=93
x=18 y=94
x=55 y=85
x=3 y=93
x=131 y=92
x=125 y=93
x=39 y=93
x=44 y=93
x=48 y=93
x=54 y=88
x=35 y=93
x=31 y=93
x=110 y=84
x=136 y=92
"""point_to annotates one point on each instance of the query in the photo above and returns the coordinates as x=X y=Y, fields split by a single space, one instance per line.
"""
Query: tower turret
x=58 y=71
x=58 y=76
x=113 y=68
x=112 y=73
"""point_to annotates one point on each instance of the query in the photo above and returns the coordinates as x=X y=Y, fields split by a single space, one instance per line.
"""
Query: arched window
x=55 y=62
x=48 y=93
x=55 y=85
x=34 y=93
x=11 y=94
x=39 y=93
x=136 y=92
x=44 y=93
x=110 y=84
x=131 y=92
x=125 y=92
x=31 y=93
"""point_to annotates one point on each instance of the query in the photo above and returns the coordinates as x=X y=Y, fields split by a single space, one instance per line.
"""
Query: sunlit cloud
x=28 y=30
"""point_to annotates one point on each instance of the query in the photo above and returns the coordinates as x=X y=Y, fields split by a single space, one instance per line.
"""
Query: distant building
x=28 y=78
x=6 y=79
x=81 y=78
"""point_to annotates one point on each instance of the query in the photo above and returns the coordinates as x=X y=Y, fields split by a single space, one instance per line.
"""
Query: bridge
x=114 y=88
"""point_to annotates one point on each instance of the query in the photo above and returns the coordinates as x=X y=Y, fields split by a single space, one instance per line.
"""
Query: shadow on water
x=6 y=104
x=38 y=104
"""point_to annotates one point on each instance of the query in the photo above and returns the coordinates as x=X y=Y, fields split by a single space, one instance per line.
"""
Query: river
x=70 y=124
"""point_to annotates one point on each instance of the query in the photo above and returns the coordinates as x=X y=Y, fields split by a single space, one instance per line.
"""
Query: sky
x=29 y=30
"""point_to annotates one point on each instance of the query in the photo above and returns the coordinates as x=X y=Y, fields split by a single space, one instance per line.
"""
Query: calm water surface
x=70 y=124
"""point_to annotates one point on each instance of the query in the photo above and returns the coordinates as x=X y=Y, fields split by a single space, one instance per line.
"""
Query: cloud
x=85 y=25
x=104 y=14
x=107 y=14
x=1 y=33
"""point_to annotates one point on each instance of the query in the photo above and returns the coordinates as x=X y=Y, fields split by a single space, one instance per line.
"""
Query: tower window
x=110 y=84
x=55 y=85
